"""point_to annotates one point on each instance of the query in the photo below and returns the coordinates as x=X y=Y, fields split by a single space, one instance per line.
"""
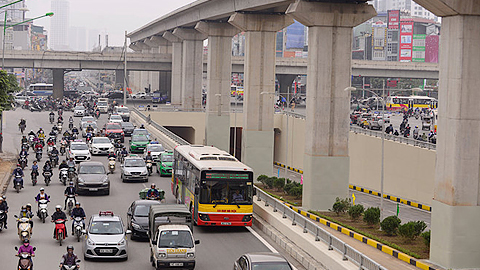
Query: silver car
x=92 y=177
x=155 y=150
x=79 y=111
x=106 y=237
x=134 y=168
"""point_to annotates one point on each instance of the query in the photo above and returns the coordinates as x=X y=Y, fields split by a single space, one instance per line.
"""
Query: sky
x=109 y=16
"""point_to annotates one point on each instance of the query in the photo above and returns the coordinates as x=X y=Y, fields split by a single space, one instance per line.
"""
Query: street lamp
x=383 y=142
x=5 y=26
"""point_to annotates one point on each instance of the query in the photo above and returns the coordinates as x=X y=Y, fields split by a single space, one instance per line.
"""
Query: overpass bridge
x=326 y=153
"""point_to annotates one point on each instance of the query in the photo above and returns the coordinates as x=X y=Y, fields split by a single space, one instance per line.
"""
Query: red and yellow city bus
x=404 y=103
x=217 y=188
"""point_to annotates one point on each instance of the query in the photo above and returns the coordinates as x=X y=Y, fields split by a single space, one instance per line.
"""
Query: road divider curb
x=384 y=248
x=5 y=181
x=288 y=167
x=392 y=198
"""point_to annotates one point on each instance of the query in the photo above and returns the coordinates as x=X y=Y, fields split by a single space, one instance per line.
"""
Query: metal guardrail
x=348 y=252
x=378 y=134
x=165 y=131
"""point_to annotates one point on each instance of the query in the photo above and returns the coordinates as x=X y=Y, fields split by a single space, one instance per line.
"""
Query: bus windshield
x=226 y=192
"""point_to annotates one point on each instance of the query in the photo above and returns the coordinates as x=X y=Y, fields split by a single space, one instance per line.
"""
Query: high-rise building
x=60 y=25
x=407 y=7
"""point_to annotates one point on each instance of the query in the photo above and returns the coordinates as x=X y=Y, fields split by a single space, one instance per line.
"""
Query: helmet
x=42 y=189
x=71 y=158
x=149 y=152
x=26 y=241
x=18 y=164
x=153 y=185
x=71 y=183
x=70 y=247
x=29 y=205
x=77 y=203
x=416 y=126
x=24 y=207
x=1 y=198
x=58 y=207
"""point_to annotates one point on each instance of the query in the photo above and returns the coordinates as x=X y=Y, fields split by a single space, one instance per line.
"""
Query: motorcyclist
x=4 y=207
x=26 y=248
x=25 y=213
x=69 y=258
x=66 y=135
x=118 y=144
x=34 y=168
x=70 y=190
x=149 y=157
x=40 y=133
x=59 y=214
x=31 y=133
x=89 y=129
x=111 y=154
x=54 y=129
x=54 y=152
x=124 y=151
x=38 y=145
x=70 y=119
x=42 y=196
x=78 y=212
x=60 y=119
x=22 y=122
x=75 y=130
x=63 y=165
x=52 y=116
x=71 y=162
x=23 y=153
x=18 y=172
x=24 y=139
x=416 y=130
x=153 y=192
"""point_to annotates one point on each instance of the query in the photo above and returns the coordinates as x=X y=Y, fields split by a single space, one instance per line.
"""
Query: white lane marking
x=272 y=249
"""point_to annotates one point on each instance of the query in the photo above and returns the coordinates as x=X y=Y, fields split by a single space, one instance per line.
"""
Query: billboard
x=393 y=19
x=418 y=54
x=295 y=36
x=406 y=41
x=431 y=48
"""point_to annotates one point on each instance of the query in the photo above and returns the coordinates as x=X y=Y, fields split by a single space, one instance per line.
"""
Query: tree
x=8 y=85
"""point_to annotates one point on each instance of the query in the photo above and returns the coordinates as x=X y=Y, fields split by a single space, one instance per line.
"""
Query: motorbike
x=25 y=260
x=48 y=177
x=42 y=210
x=97 y=114
x=52 y=118
x=38 y=154
x=23 y=161
x=70 y=203
x=70 y=125
x=53 y=138
x=60 y=230
x=49 y=148
x=62 y=149
x=3 y=218
x=88 y=137
x=78 y=227
x=17 y=183
x=149 y=167
x=24 y=228
x=64 y=176
x=71 y=173
x=34 y=176
x=30 y=140
x=25 y=146
x=75 y=266
x=22 y=128
x=54 y=159
x=111 y=164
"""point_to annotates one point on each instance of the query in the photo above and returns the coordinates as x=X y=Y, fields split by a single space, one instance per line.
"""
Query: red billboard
x=393 y=19
x=431 y=48
x=406 y=39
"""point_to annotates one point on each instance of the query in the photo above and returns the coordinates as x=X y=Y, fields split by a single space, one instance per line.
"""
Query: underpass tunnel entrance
x=236 y=142
x=187 y=133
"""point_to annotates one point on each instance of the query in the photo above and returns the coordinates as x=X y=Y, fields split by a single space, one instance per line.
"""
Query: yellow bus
x=405 y=103
x=217 y=188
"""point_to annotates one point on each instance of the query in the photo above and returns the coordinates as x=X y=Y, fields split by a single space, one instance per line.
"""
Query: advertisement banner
x=431 y=48
x=406 y=41
x=418 y=54
x=393 y=19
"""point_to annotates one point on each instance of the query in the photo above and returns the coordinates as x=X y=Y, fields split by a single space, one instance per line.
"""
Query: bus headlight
x=204 y=217
x=247 y=218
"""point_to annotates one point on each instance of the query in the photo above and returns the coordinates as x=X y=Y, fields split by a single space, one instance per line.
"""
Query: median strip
x=384 y=248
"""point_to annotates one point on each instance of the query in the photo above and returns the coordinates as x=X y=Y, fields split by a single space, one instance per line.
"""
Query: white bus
x=41 y=89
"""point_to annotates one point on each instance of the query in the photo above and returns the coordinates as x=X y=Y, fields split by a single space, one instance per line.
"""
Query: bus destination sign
x=220 y=175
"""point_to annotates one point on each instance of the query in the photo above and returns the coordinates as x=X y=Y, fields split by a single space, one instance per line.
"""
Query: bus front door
x=410 y=103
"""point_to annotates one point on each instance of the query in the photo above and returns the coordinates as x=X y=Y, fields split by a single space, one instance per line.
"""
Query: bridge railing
x=320 y=234
x=162 y=129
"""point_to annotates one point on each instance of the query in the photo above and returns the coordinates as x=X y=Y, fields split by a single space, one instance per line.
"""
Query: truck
x=102 y=105
x=170 y=235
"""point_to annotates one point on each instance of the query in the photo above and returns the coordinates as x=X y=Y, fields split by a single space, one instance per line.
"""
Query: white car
x=155 y=150
x=87 y=119
x=79 y=151
x=115 y=118
x=139 y=95
x=79 y=111
x=101 y=145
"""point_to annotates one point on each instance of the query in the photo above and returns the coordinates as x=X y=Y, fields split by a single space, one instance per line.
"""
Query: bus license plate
x=93 y=189
x=226 y=223
x=176 y=264
x=106 y=250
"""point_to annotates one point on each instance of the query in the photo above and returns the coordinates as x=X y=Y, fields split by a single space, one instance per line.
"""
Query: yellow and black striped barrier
x=288 y=167
x=384 y=248
x=392 y=198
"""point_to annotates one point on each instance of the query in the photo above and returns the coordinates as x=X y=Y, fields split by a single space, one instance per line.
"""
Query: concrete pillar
x=326 y=160
x=192 y=67
x=258 y=98
x=219 y=78
x=177 y=61
x=165 y=82
x=455 y=239
x=285 y=81
x=58 y=82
